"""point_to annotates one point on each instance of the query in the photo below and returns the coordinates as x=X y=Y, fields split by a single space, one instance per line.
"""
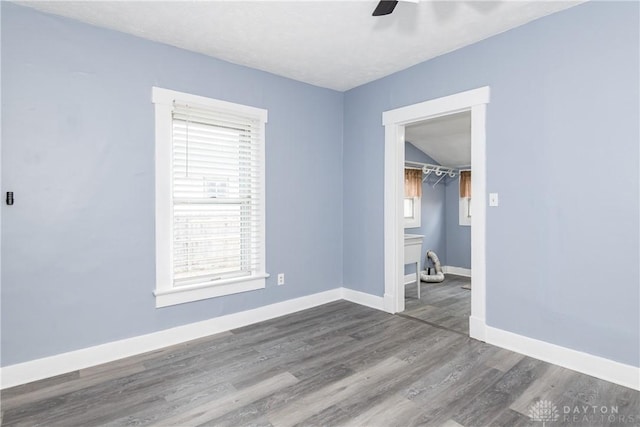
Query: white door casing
x=394 y=122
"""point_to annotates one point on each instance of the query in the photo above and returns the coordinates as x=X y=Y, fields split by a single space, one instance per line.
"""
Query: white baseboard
x=477 y=329
x=458 y=271
x=21 y=373
x=596 y=366
x=46 y=367
x=362 y=298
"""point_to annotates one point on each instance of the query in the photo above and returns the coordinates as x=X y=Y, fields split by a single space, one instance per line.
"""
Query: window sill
x=165 y=298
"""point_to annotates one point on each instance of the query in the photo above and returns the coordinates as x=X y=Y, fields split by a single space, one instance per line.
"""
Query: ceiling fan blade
x=385 y=7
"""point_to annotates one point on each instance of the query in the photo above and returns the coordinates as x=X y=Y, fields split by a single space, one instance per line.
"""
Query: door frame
x=394 y=122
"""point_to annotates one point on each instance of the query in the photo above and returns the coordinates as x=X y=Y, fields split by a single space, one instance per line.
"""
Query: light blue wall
x=432 y=212
x=562 y=247
x=458 y=249
x=78 y=150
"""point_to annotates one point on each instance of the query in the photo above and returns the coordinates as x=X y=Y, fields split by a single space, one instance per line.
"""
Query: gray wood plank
x=211 y=410
x=548 y=387
x=394 y=410
x=491 y=402
x=445 y=304
x=176 y=402
x=335 y=365
x=307 y=406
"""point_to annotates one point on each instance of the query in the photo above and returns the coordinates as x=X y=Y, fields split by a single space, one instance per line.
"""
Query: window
x=412 y=195
x=209 y=197
x=464 y=205
x=412 y=212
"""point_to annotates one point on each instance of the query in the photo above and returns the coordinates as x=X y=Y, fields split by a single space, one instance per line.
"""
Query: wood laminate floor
x=339 y=364
x=443 y=304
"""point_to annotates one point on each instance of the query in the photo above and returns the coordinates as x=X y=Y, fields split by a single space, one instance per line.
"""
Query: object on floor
x=468 y=287
x=433 y=278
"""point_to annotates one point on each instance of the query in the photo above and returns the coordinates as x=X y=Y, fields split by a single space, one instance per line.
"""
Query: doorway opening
x=395 y=121
x=437 y=216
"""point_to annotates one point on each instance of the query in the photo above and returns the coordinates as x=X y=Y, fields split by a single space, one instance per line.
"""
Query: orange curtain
x=465 y=184
x=412 y=183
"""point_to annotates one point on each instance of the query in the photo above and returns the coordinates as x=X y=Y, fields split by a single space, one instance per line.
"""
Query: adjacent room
x=437 y=213
x=355 y=213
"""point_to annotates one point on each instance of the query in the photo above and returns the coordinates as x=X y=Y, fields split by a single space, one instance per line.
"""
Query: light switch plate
x=493 y=199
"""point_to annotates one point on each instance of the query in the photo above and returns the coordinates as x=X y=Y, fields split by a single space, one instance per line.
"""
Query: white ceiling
x=446 y=139
x=332 y=44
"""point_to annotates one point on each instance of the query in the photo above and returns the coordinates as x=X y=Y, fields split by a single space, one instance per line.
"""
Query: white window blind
x=216 y=195
x=209 y=180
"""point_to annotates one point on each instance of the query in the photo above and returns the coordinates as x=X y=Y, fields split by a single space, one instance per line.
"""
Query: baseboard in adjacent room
x=458 y=271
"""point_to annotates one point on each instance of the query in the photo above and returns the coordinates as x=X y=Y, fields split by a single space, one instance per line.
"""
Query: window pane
x=213 y=187
x=207 y=240
x=408 y=208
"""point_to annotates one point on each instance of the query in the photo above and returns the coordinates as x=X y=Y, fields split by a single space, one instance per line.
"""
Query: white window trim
x=464 y=206
x=415 y=221
x=165 y=293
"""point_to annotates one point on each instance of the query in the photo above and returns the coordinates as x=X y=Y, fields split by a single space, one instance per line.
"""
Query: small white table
x=413 y=254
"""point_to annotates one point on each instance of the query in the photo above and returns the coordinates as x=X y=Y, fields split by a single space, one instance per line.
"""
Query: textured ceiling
x=332 y=44
x=446 y=139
